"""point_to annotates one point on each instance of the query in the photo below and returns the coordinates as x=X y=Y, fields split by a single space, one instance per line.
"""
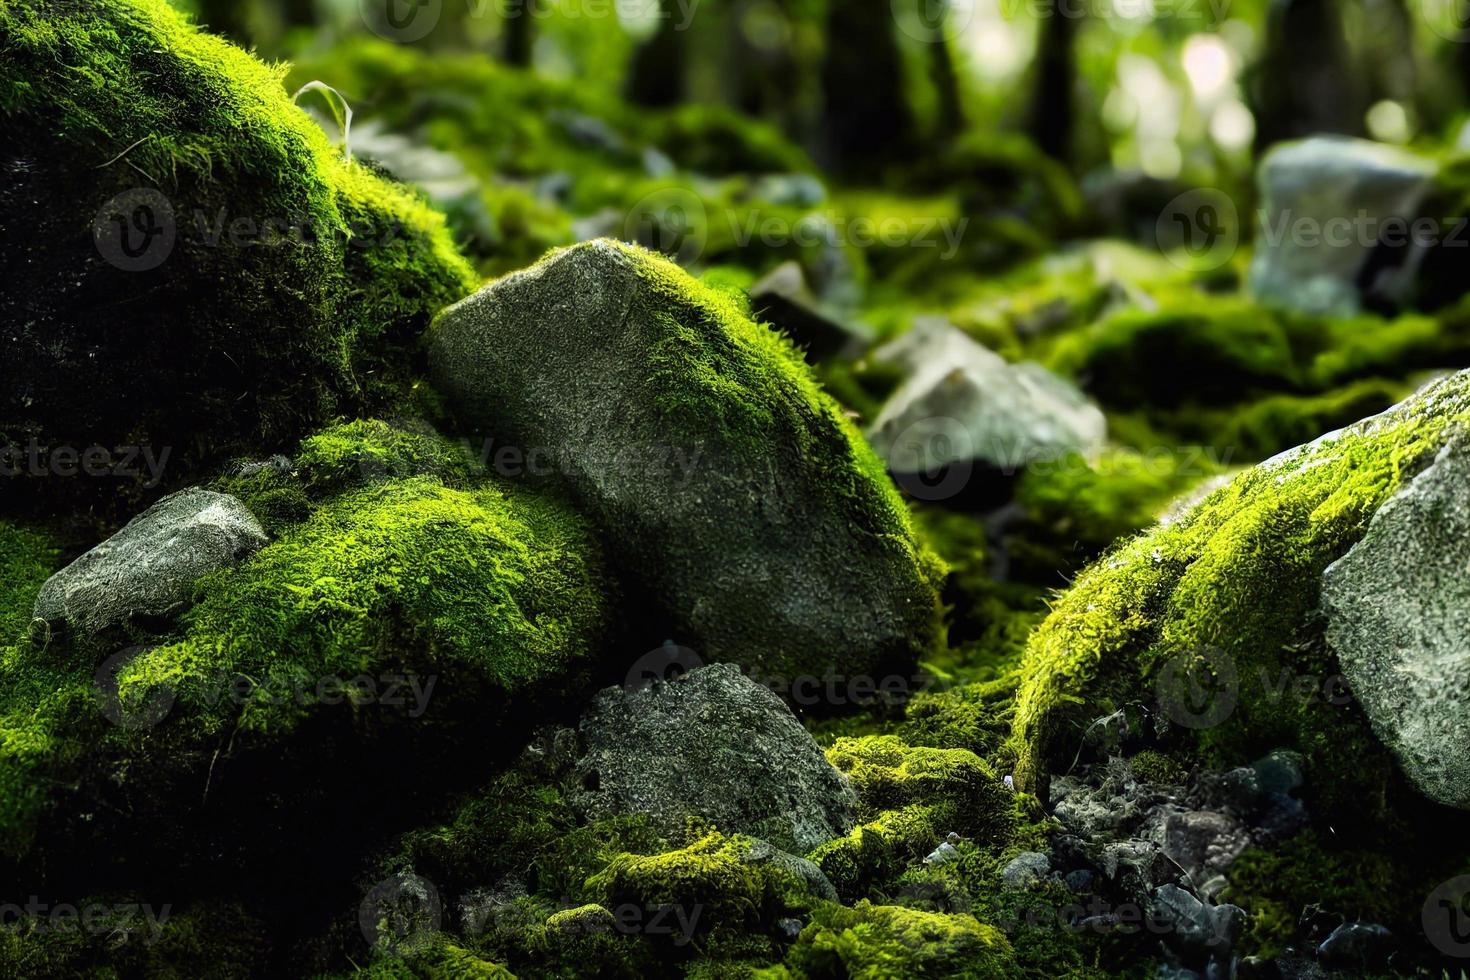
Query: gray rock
x=1356 y=944
x=1025 y=870
x=817 y=882
x=734 y=500
x=1306 y=184
x=714 y=744
x=943 y=854
x=1194 y=927
x=147 y=570
x=963 y=403
x=1398 y=616
x=782 y=299
x=1280 y=771
x=1202 y=842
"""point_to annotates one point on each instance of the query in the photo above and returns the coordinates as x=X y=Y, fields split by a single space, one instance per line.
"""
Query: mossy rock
x=206 y=273
x=869 y=942
x=1226 y=598
x=909 y=799
x=402 y=619
x=745 y=513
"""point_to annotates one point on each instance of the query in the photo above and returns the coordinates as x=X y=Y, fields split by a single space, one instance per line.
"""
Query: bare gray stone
x=1398 y=616
x=714 y=744
x=147 y=570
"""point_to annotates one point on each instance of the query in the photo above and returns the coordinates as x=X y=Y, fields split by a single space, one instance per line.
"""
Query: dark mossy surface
x=209 y=808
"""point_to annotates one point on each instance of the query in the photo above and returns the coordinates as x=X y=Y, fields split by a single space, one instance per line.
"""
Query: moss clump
x=367 y=451
x=1234 y=582
x=874 y=941
x=27 y=559
x=399 y=619
x=127 y=935
x=909 y=799
x=716 y=882
x=1135 y=357
x=268 y=282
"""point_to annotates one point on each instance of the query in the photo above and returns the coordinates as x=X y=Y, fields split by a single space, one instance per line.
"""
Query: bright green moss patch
x=876 y=941
x=280 y=283
x=371 y=450
x=909 y=799
x=1235 y=582
x=27 y=559
x=713 y=880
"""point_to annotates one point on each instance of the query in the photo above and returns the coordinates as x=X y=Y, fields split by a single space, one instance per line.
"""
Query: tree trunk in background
x=228 y=17
x=1304 y=83
x=1053 y=110
x=520 y=35
x=298 y=13
x=868 y=122
x=946 y=82
x=656 y=77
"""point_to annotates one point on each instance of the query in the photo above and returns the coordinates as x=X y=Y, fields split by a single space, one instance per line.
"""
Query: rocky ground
x=677 y=606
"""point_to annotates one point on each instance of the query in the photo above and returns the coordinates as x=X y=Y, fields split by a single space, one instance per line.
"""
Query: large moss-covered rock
x=388 y=643
x=189 y=262
x=1212 y=620
x=1398 y=617
x=736 y=499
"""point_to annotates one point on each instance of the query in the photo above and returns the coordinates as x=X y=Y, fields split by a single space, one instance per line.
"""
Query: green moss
x=909 y=799
x=870 y=942
x=129 y=936
x=1235 y=581
x=495 y=598
x=713 y=881
x=27 y=559
x=1122 y=491
x=367 y=451
x=1200 y=349
x=1152 y=766
x=973 y=716
x=441 y=960
x=246 y=333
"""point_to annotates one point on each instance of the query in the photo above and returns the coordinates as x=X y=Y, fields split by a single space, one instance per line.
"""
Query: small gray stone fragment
x=147 y=570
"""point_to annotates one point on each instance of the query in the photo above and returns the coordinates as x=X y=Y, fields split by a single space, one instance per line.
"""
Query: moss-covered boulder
x=189 y=262
x=388 y=644
x=1211 y=623
x=891 y=941
x=741 y=507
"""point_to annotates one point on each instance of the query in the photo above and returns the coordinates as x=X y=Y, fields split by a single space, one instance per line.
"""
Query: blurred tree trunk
x=228 y=17
x=656 y=77
x=1053 y=107
x=867 y=120
x=1304 y=83
x=520 y=35
x=946 y=82
x=298 y=13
